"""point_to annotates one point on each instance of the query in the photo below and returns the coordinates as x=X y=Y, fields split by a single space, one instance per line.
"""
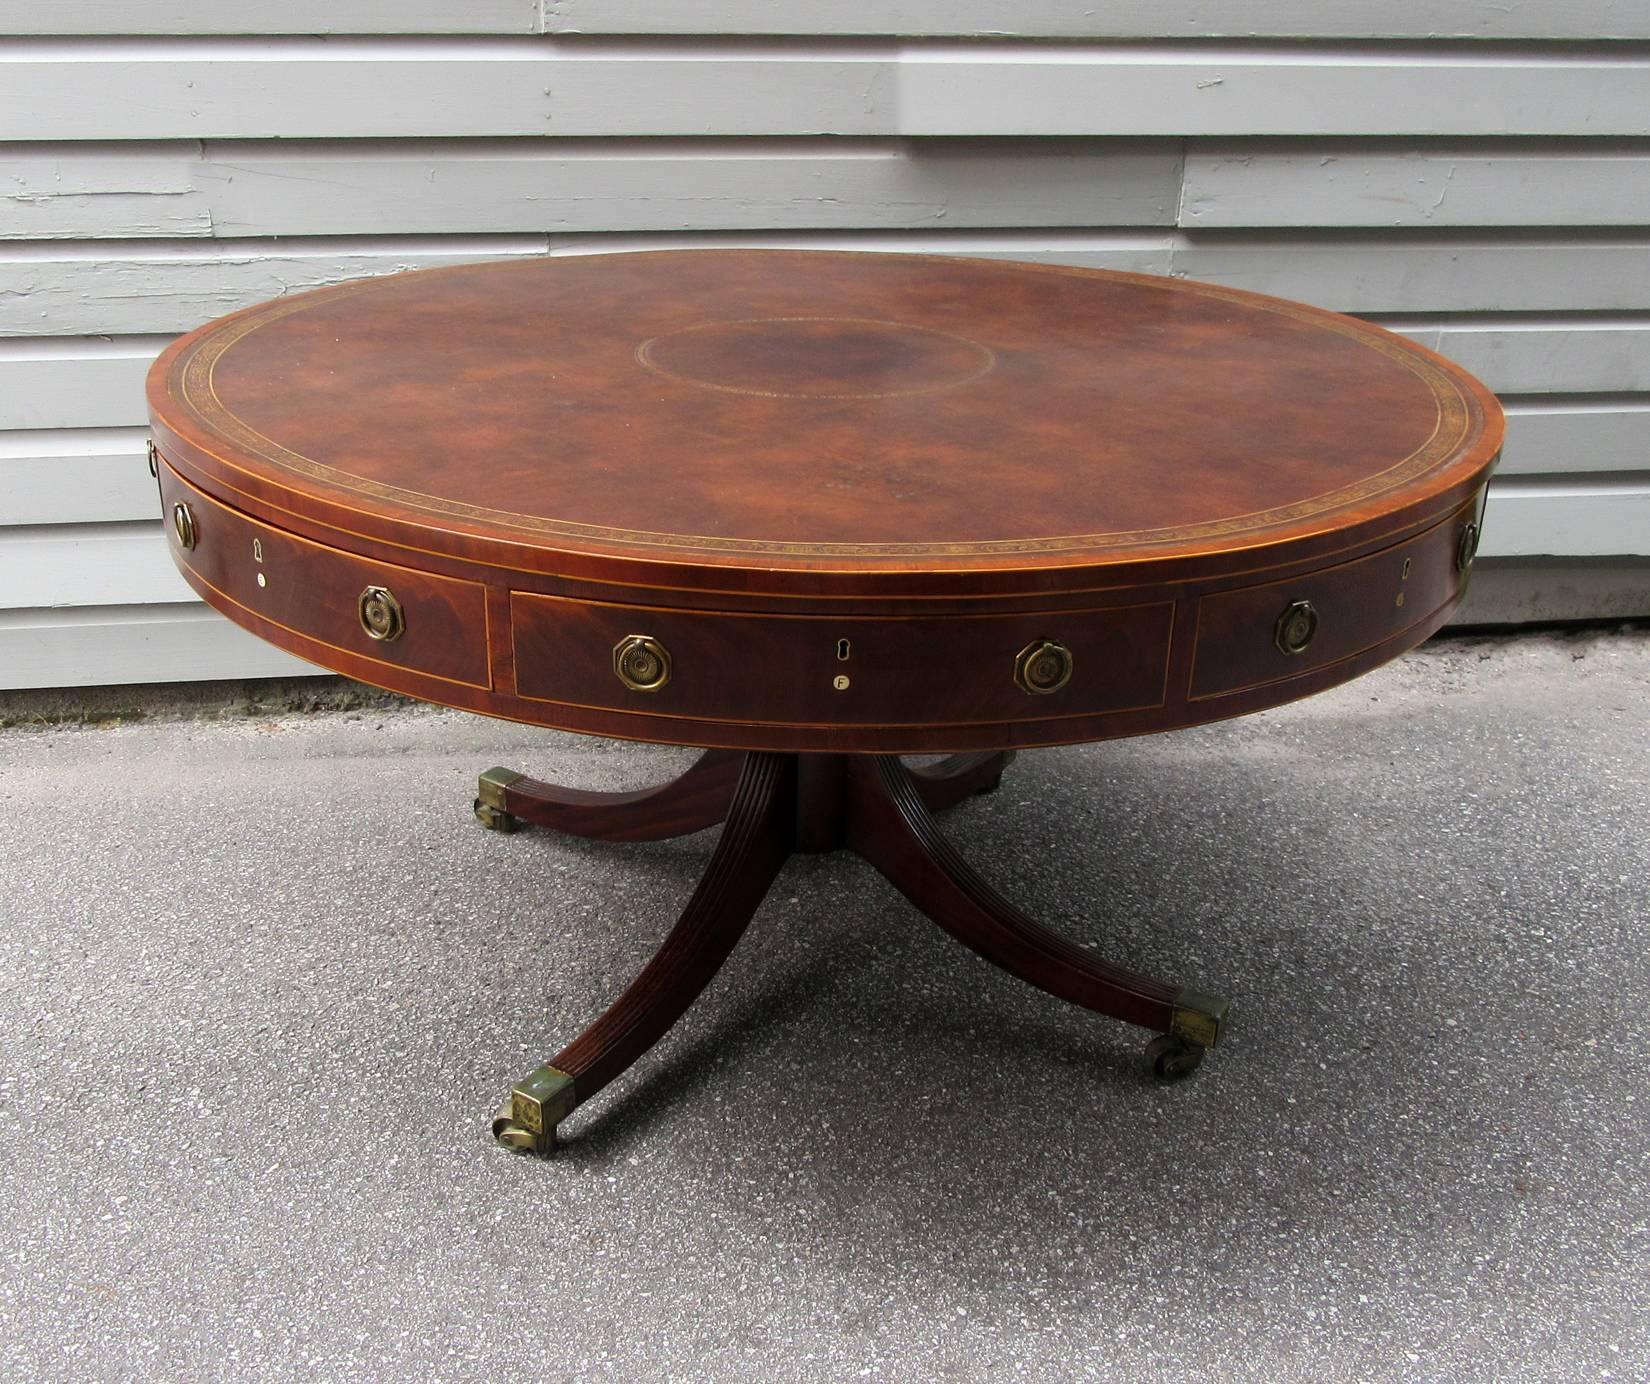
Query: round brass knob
x=1043 y=666
x=641 y=663
x=381 y=615
x=1467 y=548
x=1296 y=627
x=183 y=524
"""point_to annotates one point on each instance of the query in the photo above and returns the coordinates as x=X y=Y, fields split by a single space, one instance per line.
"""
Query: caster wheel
x=510 y=1134
x=1170 y=1057
x=496 y=819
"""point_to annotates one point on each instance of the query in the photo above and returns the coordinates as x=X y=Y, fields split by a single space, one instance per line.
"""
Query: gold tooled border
x=196 y=389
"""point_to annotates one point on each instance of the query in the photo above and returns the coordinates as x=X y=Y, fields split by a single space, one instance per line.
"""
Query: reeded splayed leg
x=957 y=777
x=755 y=842
x=697 y=799
x=890 y=826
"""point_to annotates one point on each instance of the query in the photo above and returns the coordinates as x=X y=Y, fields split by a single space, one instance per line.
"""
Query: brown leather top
x=817 y=422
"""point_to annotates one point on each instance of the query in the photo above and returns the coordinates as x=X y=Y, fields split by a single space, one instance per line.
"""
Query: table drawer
x=1249 y=637
x=815 y=670
x=427 y=623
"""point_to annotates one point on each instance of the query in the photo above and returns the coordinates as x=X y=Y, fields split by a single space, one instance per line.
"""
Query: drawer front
x=821 y=670
x=1253 y=636
x=430 y=624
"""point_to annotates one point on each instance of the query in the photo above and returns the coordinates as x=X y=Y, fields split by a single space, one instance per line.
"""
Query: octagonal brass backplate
x=1043 y=666
x=183 y=525
x=641 y=663
x=381 y=614
x=1296 y=627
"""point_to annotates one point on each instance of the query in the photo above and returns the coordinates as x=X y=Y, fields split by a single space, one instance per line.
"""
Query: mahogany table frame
x=1046 y=506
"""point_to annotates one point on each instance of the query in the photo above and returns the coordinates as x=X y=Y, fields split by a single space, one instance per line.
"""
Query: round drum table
x=815 y=512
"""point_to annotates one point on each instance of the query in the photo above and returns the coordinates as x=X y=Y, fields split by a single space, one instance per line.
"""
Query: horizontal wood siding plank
x=135 y=288
x=1427 y=273
x=415 y=187
x=93 y=384
x=159 y=292
x=286 y=17
x=138 y=287
x=1564 y=19
x=1576 y=436
x=1529 y=518
x=1547 y=358
x=473 y=187
x=75 y=383
x=1327 y=184
x=99 y=475
x=111 y=645
x=88 y=565
x=293 y=88
x=75 y=476
x=1187 y=92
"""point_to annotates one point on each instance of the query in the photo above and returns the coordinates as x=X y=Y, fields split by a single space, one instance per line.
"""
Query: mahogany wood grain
x=762 y=458
x=892 y=828
x=882 y=810
x=957 y=777
x=753 y=846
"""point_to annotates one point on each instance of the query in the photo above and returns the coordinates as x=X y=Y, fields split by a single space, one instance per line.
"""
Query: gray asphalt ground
x=262 y=980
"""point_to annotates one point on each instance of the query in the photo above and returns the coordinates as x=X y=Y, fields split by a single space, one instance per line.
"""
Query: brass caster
x=496 y=818
x=1170 y=1057
x=515 y=1136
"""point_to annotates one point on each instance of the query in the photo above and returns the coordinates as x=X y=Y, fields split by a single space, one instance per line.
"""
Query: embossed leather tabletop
x=842 y=495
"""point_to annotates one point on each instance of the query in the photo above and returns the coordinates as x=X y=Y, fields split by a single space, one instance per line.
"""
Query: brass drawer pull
x=641 y=663
x=381 y=614
x=1296 y=627
x=1043 y=666
x=1467 y=548
x=183 y=525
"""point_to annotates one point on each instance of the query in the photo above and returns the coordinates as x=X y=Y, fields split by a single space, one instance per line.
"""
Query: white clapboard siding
x=291 y=88
x=1574 y=356
x=126 y=644
x=1425 y=272
x=1325 y=183
x=75 y=382
x=1562 y=19
x=98 y=289
x=1424 y=19
x=101 y=475
x=1557 y=516
x=88 y=565
x=151 y=286
x=422 y=187
x=1472 y=172
x=75 y=476
x=286 y=17
x=1579 y=435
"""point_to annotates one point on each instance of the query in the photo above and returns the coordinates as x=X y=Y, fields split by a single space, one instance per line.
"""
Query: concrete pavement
x=262 y=979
